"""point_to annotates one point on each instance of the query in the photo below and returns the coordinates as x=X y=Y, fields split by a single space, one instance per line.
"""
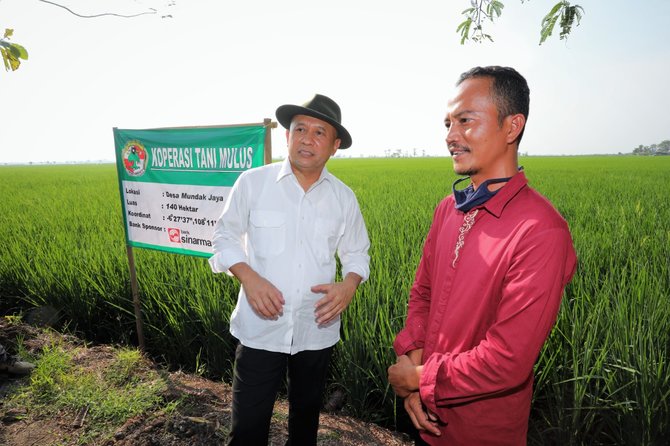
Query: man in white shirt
x=279 y=232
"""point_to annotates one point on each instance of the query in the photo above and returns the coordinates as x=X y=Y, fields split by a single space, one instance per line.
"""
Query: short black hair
x=509 y=90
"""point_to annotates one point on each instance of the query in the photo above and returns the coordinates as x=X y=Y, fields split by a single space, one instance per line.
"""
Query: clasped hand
x=404 y=376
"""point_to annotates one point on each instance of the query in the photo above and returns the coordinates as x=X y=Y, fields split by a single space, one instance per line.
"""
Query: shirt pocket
x=328 y=234
x=267 y=232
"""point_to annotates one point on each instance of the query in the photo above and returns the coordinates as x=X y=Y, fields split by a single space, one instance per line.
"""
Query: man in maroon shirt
x=488 y=288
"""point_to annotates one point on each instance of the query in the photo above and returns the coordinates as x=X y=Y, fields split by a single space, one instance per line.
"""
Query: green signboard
x=174 y=182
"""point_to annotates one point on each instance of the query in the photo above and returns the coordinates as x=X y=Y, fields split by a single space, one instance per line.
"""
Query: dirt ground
x=202 y=417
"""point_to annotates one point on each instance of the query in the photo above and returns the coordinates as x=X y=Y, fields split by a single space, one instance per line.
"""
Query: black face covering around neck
x=468 y=198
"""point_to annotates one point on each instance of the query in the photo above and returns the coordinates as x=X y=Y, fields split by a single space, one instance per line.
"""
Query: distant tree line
x=662 y=148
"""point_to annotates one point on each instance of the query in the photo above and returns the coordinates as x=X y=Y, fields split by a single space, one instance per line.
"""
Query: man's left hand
x=337 y=297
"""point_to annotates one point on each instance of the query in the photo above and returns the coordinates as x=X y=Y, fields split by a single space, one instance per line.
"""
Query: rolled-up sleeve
x=354 y=245
x=230 y=231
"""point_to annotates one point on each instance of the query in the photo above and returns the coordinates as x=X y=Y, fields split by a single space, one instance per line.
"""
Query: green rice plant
x=602 y=377
x=599 y=378
x=397 y=215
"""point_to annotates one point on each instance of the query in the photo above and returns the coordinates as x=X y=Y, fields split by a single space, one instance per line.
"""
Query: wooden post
x=269 y=125
x=134 y=288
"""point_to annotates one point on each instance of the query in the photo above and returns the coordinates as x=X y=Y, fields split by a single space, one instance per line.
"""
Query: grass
x=602 y=377
x=106 y=397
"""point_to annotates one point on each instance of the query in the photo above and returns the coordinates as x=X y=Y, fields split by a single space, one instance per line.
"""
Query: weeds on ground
x=106 y=396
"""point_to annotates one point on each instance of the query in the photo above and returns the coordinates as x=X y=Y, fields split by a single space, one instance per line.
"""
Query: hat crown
x=326 y=106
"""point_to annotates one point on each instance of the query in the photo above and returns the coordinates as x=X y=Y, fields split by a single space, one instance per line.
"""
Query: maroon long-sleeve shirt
x=481 y=309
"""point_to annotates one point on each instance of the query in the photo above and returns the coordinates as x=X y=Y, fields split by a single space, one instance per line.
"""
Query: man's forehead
x=455 y=104
x=469 y=90
x=310 y=120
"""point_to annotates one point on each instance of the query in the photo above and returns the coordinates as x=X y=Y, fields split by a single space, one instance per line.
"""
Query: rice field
x=602 y=378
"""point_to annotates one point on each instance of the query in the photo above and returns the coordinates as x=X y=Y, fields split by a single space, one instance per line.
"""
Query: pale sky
x=391 y=65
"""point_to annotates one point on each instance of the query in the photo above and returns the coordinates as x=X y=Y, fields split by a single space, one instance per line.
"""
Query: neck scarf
x=468 y=198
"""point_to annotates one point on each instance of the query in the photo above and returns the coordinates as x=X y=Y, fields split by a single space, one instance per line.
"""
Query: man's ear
x=516 y=124
x=287 y=133
x=337 y=144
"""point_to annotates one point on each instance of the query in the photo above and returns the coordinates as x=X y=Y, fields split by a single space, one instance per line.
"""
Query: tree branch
x=153 y=11
x=480 y=12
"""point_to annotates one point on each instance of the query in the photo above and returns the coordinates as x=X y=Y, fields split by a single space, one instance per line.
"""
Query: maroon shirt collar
x=496 y=204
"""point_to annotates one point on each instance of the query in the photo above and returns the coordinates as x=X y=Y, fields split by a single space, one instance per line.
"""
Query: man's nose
x=452 y=135
x=307 y=137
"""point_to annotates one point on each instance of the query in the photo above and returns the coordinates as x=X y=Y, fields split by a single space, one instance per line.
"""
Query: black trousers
x=256 y=380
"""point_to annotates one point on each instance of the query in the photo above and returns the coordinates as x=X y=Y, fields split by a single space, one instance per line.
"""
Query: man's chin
x=466 y=172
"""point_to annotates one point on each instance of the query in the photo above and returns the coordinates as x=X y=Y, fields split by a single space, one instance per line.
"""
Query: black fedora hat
x=320 y=107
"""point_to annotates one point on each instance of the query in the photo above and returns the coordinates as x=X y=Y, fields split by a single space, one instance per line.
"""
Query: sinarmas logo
x=175 y=235
x=135 y=158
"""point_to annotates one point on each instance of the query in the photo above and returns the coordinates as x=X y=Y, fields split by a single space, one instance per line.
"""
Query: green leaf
x=549 y=21
x=12 y=53
x=464 y=29
x=21 y=52
x=11 y=62
x=547 y=28
x=494 y=9
x=14 y=63
x=568 y=17
x=14 y=50
x=554 y=11
x=4 y=58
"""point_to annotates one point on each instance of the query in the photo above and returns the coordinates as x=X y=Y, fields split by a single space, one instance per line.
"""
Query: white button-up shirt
x=289 y=237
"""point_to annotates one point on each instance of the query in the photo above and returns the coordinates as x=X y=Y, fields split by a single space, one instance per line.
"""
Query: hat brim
x=285 y=114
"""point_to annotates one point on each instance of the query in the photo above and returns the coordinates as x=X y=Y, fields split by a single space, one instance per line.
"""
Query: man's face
x=311 y=142
x=477 y=143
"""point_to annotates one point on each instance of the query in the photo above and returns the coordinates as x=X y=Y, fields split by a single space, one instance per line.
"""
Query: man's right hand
x=265 y=299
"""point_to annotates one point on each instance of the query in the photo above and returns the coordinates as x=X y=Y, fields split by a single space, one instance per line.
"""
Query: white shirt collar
x=286 y=170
